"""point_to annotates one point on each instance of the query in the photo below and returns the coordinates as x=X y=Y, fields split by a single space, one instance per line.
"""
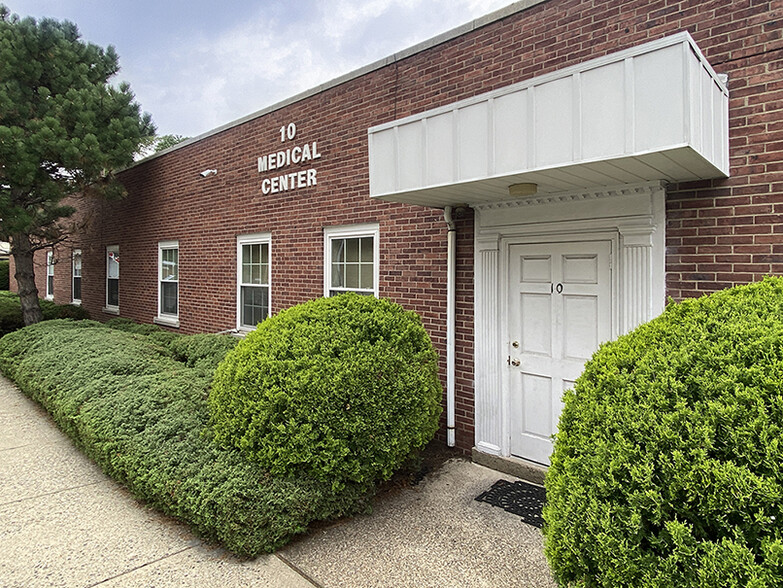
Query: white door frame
x=631 y=217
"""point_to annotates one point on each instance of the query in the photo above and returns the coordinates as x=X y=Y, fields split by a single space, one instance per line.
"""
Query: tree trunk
x=22 y=251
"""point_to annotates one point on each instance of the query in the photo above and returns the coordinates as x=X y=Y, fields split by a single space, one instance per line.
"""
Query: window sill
x=50 y=297
x=167 y=321
x=76 y=302
x=111 y=310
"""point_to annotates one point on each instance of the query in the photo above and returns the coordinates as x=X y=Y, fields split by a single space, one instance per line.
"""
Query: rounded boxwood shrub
x=668 y=462
x=340 y=389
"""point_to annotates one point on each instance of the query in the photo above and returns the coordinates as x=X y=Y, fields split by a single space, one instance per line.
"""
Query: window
x=76 y=277
x=168 y=283
x=113 y=278
x=49 y=275
x=351 y=260
x=252 y=279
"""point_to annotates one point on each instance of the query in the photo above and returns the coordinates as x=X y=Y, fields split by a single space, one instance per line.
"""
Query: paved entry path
x=64 y=523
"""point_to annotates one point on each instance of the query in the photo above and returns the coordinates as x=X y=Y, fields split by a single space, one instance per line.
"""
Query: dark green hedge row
x=5 y=281
x=136 y=403
x=668 y=462
x=11 y=312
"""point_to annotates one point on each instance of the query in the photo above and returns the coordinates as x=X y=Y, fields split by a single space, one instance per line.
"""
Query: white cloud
x=207 y=80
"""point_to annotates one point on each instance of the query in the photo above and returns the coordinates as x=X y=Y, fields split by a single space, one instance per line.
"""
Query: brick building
x=557 y=168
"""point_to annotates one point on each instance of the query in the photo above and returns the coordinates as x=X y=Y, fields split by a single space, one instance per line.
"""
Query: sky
x=196 y=65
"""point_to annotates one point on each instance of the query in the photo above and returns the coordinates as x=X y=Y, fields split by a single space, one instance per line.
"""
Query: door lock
x=514 y=362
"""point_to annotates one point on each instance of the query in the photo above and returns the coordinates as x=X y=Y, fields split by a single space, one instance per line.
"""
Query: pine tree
x=64 y=131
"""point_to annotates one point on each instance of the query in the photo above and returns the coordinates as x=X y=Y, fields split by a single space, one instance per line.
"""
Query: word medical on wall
x=296 y=155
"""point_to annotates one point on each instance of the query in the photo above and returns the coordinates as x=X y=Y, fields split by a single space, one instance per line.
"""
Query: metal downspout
x=451 y=300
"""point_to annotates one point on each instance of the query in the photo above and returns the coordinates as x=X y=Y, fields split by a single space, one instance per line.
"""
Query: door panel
x=536 y=269
x=580 y=326
x=536 y=323
x=536 y=394
x=580 y=269
x=559 y=312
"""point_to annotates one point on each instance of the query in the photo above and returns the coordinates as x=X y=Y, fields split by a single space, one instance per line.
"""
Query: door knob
x=514 y=362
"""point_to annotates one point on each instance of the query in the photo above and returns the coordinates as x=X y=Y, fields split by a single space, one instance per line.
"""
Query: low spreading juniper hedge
x=668 y=462
x=134 y=398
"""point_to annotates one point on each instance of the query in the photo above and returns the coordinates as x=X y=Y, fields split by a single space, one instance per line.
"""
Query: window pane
x=366 y=273
x=50 y=285
x=255 y=305
x=169 y=270
x=338 y=250
x=255 y=263
x=351 y=275
x=77 y=265
x=338 y=276
x=77 y=288
x=112 y=292
x=168 y=298
x=352 y=250
x=366 y=249
x=352 y=263
x=113 y=265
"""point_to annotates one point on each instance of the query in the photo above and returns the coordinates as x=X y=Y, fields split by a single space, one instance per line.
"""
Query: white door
x=560 y=310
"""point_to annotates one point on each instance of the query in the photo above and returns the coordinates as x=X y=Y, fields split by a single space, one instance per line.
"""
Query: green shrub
x=51 y=311
x=11 y=312
x=5 y=282
x=140 y=410
x=204 y=351
x=668 y=462
x=341 y=389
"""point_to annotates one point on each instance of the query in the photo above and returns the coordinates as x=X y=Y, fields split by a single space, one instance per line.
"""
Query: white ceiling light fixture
x=525 y=189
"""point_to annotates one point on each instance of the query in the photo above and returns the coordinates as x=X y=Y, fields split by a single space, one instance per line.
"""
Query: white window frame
x=77 y=253
x=162 y=318
x=50 y=275
x=352 y=232
x=252 y=239
x=112 y=308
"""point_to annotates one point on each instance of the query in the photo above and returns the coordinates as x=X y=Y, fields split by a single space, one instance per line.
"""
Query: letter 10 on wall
x=287 y=132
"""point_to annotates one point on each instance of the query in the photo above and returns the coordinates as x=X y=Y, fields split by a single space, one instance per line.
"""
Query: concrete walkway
x=64 y=523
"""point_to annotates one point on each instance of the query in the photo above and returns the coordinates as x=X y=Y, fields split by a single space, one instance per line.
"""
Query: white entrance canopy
x=657 y=111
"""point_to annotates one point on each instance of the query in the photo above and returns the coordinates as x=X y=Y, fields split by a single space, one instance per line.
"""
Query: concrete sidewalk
x=64 y=523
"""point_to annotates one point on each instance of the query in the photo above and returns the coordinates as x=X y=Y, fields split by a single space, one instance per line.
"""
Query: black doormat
x=519 y=498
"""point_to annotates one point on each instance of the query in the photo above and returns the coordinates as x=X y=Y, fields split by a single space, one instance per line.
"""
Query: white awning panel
x=654 y=112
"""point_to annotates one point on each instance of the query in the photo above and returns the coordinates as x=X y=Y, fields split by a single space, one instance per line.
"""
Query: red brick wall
x=719 y=233
x=727 y=232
